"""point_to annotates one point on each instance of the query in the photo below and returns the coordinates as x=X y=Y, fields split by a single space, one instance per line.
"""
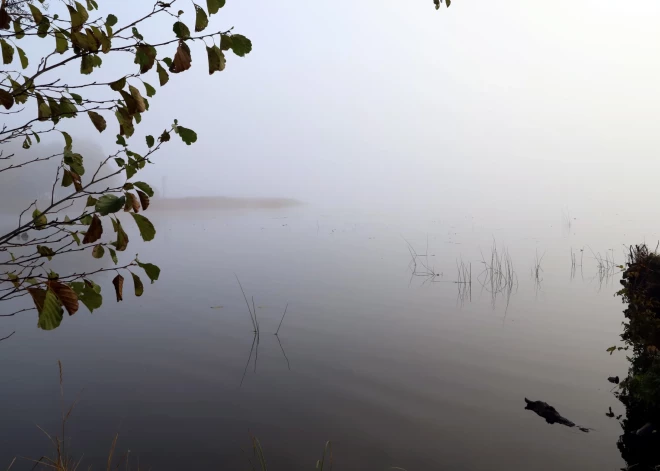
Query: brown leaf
x=118 y=281
x=122 y=238
x=76 y=181
x=144 y=199
x=66 y=295
x=135 y=93
x=94 y=231
x=6 y=99
x=5 y=19
x=38 y=296
x=182 y=60
x=131 y=203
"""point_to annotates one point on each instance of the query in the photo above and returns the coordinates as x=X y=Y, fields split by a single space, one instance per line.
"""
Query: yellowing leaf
x=98 y=251
x=135 y=93
x=51 y=313
x=137 y=283
x=97 y=120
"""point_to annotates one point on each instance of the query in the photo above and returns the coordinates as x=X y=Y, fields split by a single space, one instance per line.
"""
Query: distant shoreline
x=223 y=202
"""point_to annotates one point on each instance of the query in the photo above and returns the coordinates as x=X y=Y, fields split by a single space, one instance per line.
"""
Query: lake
x=396 y=370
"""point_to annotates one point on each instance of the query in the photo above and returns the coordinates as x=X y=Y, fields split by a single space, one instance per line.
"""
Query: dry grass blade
x=499 y=276
x=112 y=451
x=327 y=454
x=258 y=453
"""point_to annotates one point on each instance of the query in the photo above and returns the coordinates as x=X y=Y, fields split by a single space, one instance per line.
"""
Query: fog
x=388 y=104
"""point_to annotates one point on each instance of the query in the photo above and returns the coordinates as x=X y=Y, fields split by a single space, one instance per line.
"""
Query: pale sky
x=391 y=103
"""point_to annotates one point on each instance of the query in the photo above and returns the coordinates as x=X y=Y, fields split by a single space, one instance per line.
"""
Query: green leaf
x=201 y=20
x=214 y=5
x=168 y=61
x=51 y=313
x=54 y=109
x=150 y=141
x=86 y=64
x=113 y=255
x=108 y=204
x=97 y=120
x=67 y=109
x=91 y=201
x=147 y=229
x=77 y=20
x=18 y=29
x=611 y=349
x=137 y=283
x=240 y=45
x=181 y=30
x=86 y=220
x=131 y=170
x=36 y=13
x=145 y=56
x=61 y=43
x=45 y=251
x=7 y=52
x=120 y=140
x=44 y=26
x=163 y=76
x=75 y=161
x=225 y=42
x=118 y=84
x=144 y=187
x=67 y=179
x=151 y=91
x=43 y=110
x=187 y=135
x=111 y=20
x=98 y=251
x=67 y=139
x=152 y=271
x=137 y=34
x=39 y=219
x=75 y=237
x=77 y=98
x=216 y=59
x=22 y=57
x=89 y=294
x=125 y=115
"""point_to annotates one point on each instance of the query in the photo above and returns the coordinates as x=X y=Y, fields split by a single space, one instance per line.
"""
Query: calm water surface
x=395 y=370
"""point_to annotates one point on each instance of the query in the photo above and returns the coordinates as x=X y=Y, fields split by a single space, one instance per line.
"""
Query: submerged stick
x=282 y=320
x=252 y=317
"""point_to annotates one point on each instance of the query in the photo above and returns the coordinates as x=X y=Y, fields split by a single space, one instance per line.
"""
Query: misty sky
x=390 y=103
